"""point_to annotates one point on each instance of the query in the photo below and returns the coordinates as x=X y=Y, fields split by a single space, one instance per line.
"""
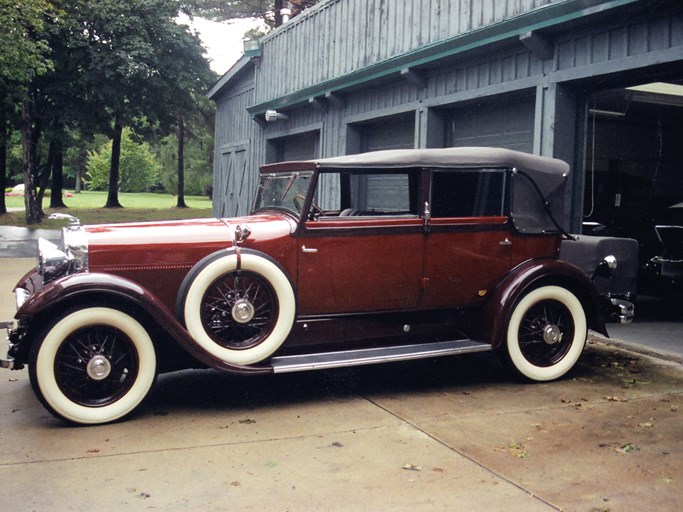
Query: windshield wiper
x=289 y=185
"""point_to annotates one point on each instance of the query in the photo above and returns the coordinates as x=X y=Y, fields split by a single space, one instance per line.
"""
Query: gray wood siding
x=620 y=42
x=341 y=36
x=337 y=37
x=234 y=179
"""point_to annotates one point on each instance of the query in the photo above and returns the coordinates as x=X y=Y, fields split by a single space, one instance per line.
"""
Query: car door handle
x=505 y=242
x=308 y=250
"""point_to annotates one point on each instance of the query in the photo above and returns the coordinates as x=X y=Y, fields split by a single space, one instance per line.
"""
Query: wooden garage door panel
x=394 y=133
x=509 y=125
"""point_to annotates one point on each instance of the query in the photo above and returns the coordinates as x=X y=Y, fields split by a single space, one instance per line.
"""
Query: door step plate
x=319 y=361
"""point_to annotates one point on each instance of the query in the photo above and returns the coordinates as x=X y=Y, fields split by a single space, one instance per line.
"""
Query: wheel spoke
x=76 y=352
x=536 y=348
x=221 y=297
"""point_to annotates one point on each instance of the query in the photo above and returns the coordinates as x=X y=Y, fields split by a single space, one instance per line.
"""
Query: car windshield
x=283 y=191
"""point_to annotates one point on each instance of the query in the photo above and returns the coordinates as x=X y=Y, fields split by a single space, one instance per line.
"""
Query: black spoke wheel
x=96 y=365
x=92 y=365
x=239 y=310
x=546 y=333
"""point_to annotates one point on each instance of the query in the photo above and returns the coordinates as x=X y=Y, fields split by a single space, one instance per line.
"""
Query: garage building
x=597 y=83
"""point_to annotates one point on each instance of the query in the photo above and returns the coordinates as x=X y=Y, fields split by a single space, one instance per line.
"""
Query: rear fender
x=495 y=314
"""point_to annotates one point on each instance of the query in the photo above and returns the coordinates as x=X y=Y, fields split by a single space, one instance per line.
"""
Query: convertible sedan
x=352 y=260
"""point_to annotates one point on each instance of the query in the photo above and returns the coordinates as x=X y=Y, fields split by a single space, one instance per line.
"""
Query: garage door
x=397 y=132
x=507 y=124
x=303 y=146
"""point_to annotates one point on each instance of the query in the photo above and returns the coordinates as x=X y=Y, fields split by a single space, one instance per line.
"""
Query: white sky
x=222 y=40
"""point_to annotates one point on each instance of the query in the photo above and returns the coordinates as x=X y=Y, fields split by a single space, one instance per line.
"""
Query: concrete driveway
x=456 y=434
x=19 y=242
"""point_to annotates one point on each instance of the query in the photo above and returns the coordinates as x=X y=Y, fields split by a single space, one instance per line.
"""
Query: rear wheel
x=546 y=333
x=93 y=365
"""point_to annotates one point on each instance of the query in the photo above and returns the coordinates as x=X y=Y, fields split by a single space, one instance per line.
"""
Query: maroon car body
x=344 y=261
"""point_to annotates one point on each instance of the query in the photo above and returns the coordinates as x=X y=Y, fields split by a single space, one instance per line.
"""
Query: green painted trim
x=541 y=18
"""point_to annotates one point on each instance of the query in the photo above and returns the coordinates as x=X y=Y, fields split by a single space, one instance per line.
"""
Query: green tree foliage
x=25 y=56
x=138 y=171
x=267 y=10
x=24 y=51
x=94 y=66
x=143 y=64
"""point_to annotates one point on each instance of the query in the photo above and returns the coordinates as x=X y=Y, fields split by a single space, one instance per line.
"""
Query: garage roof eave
x=544 y=17
x=223 y=81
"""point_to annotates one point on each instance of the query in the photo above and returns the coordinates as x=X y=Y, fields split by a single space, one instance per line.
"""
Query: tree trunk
x=3 y=162
x=113 y=194
x=181 y=162
x=57 y=189
x=43 y=177
x=30 y=134
x=277 y=7
x=78 y=186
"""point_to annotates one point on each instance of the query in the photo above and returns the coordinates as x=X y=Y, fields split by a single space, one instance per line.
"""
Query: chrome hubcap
x=99 y=368
x=243 y=311
x=552 y=334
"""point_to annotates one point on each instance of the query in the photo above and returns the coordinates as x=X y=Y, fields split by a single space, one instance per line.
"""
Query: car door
x=363 y=251
x=468 y=241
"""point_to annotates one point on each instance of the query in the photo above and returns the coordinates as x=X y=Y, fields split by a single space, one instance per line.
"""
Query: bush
x=138 y=169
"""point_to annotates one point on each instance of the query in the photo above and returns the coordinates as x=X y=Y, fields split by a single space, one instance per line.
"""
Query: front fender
x=495 y=314
x=65 y=290
x=89 y=287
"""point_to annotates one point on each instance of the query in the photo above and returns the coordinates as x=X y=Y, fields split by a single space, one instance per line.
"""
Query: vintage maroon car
x=344 y=261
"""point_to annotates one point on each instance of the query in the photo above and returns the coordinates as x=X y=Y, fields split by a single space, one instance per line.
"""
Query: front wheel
x=546 y=333
x=93 y=365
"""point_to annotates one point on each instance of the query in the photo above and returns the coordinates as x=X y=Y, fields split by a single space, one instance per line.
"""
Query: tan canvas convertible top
x=449 y=158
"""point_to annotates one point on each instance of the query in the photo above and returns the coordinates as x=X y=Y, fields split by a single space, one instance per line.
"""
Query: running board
x=319 y=361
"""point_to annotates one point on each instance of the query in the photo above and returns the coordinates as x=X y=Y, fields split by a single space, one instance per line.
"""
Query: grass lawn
x=87 y=206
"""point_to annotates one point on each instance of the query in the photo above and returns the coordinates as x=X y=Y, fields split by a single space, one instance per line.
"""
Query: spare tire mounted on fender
x=239 y=308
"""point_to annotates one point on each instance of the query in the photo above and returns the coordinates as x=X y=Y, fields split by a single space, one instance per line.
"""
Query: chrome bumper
x=9 y=362
x=624 y=310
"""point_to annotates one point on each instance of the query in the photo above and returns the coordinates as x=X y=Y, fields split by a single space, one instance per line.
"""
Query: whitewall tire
x=546 y=333
x=93 y=365
x=239 y=316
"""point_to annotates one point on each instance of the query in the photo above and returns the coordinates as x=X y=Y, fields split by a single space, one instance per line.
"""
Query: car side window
x=468 y=192
x=356 y=193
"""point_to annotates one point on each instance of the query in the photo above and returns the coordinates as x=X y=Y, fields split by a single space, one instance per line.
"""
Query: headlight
x=75 y=243
x=72 y=256
x=52 y=262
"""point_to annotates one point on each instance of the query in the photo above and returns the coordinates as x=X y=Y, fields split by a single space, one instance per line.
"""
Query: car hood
x=183 y=241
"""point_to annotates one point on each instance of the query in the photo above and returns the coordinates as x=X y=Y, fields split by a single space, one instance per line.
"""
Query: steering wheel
x=315 y=212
